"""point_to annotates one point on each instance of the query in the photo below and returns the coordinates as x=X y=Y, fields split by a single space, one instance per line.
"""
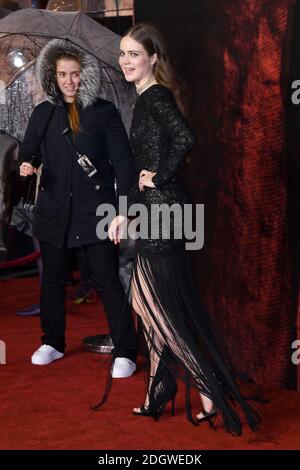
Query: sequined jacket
x=160 y=139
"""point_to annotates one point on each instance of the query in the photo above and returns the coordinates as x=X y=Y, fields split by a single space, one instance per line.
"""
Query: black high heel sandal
x=163 y=389
x=156 y=414
x=209 y=416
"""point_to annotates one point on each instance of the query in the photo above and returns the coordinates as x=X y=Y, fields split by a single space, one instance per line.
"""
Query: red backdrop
x=233 y=56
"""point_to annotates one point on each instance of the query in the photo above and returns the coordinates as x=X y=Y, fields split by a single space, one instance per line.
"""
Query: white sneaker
x=45 y=355
x=123 y=368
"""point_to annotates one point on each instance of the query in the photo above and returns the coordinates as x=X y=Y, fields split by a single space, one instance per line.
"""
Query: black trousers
x=103 y=264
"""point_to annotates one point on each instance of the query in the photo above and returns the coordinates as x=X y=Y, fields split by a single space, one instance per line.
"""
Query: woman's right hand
x=117 y=229
x=26 y=169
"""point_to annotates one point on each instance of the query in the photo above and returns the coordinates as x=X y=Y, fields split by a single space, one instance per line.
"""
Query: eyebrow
x=121 y=50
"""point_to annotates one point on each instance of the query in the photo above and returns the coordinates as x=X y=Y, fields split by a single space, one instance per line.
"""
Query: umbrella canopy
x=23 y=34
x=76 y=26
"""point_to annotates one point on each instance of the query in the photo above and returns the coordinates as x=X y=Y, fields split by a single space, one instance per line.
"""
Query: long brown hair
x=150 y=38
x=73 y=113
x=73 y=116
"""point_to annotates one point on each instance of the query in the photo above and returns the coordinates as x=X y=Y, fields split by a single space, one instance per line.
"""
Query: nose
x=69 y=79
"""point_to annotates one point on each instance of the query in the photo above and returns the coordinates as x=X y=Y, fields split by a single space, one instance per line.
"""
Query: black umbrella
x=23 y=34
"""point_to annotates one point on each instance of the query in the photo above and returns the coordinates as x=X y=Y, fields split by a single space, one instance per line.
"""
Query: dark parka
x=68 y=199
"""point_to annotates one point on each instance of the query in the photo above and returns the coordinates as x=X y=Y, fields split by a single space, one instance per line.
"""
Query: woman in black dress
x=164 y=294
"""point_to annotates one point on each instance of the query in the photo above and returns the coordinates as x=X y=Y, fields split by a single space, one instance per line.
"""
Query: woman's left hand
x=146 y=179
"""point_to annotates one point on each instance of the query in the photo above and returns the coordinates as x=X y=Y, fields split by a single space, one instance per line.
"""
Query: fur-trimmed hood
x=89 y=76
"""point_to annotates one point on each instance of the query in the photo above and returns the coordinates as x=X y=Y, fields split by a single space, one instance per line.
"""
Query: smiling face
x=134 y=60
x=68 y=78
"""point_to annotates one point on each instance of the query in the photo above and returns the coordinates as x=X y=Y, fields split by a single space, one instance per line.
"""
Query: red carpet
x=47 y=407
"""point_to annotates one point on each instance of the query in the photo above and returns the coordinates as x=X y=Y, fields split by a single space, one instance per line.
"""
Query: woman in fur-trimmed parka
x=74 y=120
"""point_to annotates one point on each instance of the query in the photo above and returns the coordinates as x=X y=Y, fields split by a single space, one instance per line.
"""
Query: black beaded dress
x=177 y=328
